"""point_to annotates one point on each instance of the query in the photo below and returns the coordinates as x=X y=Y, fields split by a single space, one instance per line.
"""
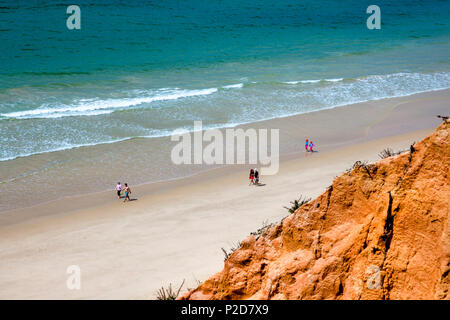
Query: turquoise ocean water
x=145 y=68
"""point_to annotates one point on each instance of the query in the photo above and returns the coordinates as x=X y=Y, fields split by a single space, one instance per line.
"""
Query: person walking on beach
x=311 y=145
x=256 y=178
x=251 y=176
x=119 y=189
x=127 y=191
x=306 y=145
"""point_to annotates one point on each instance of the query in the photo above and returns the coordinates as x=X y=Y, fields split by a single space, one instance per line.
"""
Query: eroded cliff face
x=379 y=231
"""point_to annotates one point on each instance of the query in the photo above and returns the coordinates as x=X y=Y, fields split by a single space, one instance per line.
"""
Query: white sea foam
x=259 y=104
x=92 y=107
x=234 y=86
x=312 y=81
x=152 y=134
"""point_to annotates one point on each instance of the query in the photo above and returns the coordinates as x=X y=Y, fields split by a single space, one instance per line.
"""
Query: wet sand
x=51 y=176
x=175 y=229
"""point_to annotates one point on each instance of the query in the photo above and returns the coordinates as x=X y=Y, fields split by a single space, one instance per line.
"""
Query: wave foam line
x=314 y=81
x=93 y=107
x=234 y=86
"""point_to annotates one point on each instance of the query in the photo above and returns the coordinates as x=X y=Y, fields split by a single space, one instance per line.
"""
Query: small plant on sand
x=232 y=249
x=386 y=153
x=262 y=230
x=297 y=204
x=168 y=293
x=363 y=165
x=198 y=283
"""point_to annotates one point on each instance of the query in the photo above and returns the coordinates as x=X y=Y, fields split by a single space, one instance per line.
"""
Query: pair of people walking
x=309 y=144
x=254 y=177
x=126 y=190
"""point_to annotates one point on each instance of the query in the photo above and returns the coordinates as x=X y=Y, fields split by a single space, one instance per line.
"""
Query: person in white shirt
x=119 y=189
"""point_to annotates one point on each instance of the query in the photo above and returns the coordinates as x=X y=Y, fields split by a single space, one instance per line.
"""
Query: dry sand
x=175 y=230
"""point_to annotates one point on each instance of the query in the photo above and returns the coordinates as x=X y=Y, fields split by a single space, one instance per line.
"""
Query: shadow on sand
x=131 y=199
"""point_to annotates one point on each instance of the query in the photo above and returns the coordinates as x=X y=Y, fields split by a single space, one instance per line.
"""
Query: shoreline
x=360 y=109
x=225 y=126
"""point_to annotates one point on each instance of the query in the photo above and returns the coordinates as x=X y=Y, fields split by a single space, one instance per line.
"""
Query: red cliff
x=380 y=231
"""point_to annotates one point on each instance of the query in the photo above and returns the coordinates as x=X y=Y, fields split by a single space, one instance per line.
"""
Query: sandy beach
x=175 y=229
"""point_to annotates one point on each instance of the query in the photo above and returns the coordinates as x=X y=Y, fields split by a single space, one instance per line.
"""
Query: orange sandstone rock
x=380 y=231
